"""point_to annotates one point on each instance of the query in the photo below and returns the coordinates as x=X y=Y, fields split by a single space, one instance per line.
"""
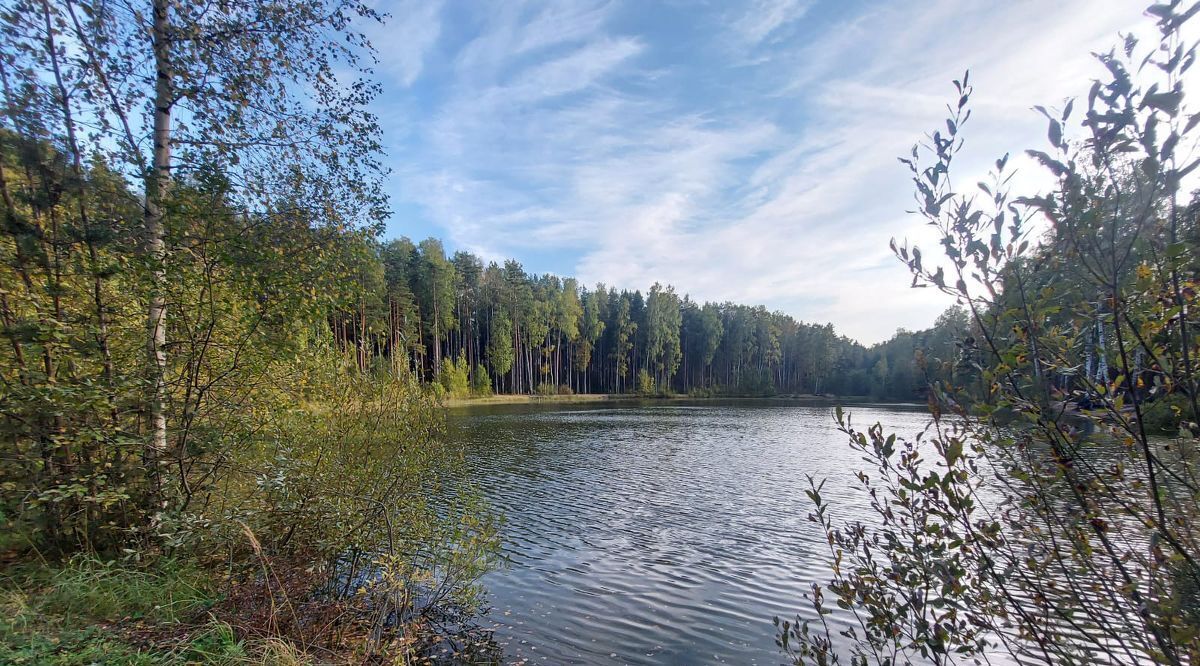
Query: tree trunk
x=158 y=182
x=437 y=342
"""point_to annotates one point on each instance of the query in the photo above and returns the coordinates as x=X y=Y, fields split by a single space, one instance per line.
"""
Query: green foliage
x=210 y=246
x=205 y=352
x=481 y=383
x=417 y=308
x=755 y=383
x=435 y=280
x=1042 y=514
x=1163 y=417
x=71 y=387
x=348 y=468
x=454 y=377
x=625 y=328
x=645 y=384
x=663 y=321
x=59 y=616
x=500 y=347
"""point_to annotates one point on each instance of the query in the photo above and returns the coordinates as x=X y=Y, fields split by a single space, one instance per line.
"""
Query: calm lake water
x=658 y=534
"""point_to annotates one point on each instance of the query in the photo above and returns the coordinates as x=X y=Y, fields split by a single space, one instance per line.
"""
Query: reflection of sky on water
x=660 y=534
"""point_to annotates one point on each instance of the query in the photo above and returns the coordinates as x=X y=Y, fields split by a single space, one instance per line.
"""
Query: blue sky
x=740 y=150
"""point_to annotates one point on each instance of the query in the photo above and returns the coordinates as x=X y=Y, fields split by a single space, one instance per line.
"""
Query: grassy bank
x=507 y=399
x=88 y=612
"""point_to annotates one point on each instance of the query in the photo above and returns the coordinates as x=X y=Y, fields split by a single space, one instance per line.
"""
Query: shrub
x=481 y=385
x=1038 y=515
x=1164 y=415
x=645 y=384
x=454 y=377
x=346 y=484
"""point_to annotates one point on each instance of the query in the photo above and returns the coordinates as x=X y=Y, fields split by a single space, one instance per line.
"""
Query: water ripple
x=657 y=535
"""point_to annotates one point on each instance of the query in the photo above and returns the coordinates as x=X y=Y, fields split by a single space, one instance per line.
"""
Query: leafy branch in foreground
x=1051 y=511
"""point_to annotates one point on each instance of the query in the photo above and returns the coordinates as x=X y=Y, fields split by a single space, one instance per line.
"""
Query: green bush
x=454 y=377
x=755 y=383
x=481 y=385
x=645 y=384
x=347 y=473
x=1044 y=522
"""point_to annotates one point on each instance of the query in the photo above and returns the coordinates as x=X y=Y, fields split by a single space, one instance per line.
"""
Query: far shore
x=508 y=399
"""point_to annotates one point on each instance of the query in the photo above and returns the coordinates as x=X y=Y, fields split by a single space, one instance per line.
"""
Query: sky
x=740 y=150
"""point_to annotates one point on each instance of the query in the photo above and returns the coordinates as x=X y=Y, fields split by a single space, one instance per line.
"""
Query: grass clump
x=89 y=588
x=88 y=611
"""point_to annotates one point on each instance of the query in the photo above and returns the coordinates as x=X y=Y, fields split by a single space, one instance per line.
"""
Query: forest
x=222 y=427
x=473 y=329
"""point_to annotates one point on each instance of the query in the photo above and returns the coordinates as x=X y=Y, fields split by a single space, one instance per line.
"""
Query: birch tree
x=270 y=94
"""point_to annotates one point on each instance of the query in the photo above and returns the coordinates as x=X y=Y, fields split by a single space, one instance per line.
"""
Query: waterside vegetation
x=190 y=467
x=1049 y=512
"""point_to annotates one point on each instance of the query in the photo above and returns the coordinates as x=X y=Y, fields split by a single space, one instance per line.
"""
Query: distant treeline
x=477 y=328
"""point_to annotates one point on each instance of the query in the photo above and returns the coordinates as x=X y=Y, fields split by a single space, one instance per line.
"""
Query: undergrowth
x=89 y=612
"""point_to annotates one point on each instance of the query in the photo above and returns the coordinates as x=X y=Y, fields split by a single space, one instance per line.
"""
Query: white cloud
x=405 y=39
x=561 y=132
x=570 y=73
x=761 y=18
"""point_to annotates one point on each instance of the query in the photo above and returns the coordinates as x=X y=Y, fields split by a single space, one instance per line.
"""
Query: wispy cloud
x=616 y=142
x=405 y=40
x=762 y=18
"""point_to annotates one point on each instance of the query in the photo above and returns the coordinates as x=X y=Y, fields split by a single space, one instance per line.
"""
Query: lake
x=659 y=533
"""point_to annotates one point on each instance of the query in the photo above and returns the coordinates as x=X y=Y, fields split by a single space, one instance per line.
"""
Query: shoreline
x=584 y=398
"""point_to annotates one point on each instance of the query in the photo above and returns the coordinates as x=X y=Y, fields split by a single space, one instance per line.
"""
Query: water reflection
x=658 y=534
